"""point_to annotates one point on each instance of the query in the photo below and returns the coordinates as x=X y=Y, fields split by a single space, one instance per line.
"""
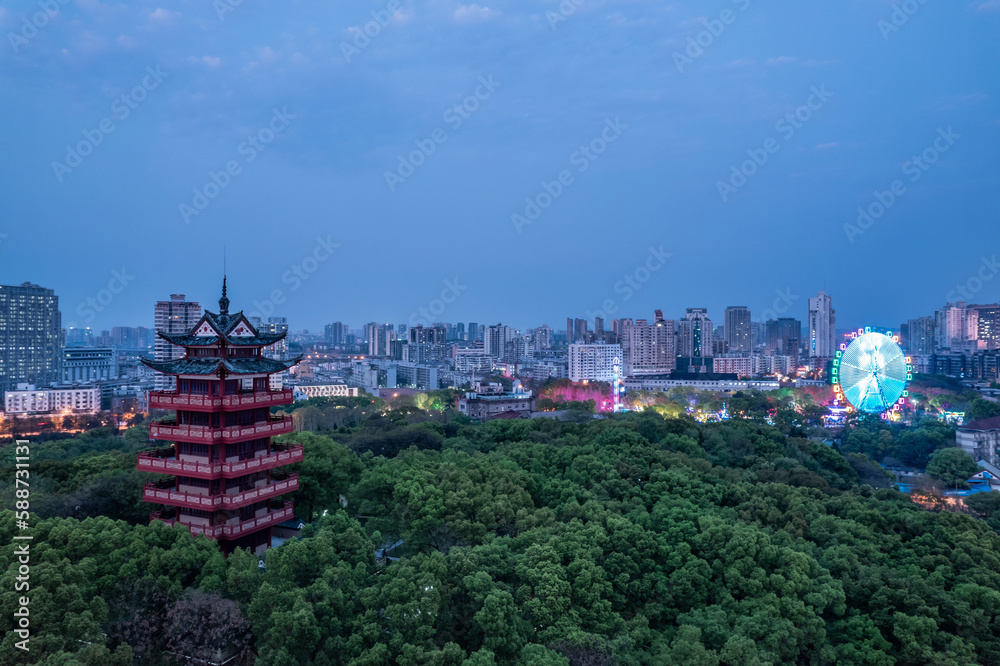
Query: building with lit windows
x=277 y=326
x=986 y=365
x=987 y=325
x=380 y=338
x=496 y=342
x=30 y=336
x=739 y=364
x=822 y=327
x=920 y=336
x=489 y=401
x=26 y=399
x=951 y=326
x=336 y=333
x=81 y=365
x=695 y=334
x=173 y=317
x=593 y=362
x=306 y=391
x=736 y=329
x=648 y=348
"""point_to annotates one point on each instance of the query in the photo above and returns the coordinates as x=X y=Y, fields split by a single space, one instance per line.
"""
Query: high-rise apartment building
x=576 y=330
x=951 y=328
x=431 y=335
x=594 y=362
x=648 y=348
x=125 y=337
x=783 y=335
x=380 y=338
x=758 y=333
x=174 y=317
x=518 y=349
x=279 y=350
x=694 y=334
x=541 y=337
x=920 y=335
x=30 y=336
x=496 y=341
x=736 y=329
x=336 y=333
x=618 y=325
x=822 y=327
x=79 y=337
x=273 y=326
x=987 y=325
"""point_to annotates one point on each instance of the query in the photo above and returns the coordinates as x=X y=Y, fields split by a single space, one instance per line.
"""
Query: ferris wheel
x=871 y=372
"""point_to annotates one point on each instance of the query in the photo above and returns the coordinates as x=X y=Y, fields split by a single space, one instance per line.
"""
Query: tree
x=951 y=467
x=203 y=625
x=979 y=409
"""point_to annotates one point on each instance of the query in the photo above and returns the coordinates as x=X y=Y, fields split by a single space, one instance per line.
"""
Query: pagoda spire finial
x=224 y=301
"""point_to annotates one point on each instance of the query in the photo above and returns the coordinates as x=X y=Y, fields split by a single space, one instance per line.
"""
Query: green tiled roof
x=210 y=366
x=259 y=340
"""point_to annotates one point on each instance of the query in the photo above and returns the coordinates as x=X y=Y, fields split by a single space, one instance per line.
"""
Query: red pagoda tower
x=226 y=481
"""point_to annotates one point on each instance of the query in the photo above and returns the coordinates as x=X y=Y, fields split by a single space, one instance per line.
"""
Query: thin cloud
x=474 y=14
x=164 y=16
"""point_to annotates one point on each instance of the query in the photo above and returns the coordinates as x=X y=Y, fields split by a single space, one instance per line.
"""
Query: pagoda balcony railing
x=196 y=402
x=164 y=461
x=278 y=511
x=161 y=493
x=170 y=430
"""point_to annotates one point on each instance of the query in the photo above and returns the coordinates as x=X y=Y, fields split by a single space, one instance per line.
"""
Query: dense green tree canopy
x=624 y=541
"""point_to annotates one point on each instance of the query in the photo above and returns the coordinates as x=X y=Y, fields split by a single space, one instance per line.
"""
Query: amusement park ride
x=870 y=373
x=617 y=385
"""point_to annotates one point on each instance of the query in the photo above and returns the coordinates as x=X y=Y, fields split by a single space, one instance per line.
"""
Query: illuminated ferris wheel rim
x=871 y=371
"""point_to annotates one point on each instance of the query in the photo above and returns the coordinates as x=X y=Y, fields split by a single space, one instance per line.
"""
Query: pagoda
x=227 y=482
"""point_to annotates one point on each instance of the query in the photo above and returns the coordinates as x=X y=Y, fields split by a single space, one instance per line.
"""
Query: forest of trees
x=632 y=540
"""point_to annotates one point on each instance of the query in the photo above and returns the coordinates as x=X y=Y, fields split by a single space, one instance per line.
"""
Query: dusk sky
x=663 y=122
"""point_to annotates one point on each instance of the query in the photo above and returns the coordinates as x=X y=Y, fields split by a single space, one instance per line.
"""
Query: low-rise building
x=89 y=364
x=26 y=399
x=988 y=474
x=741 y=364
x=981 y=439
x=490 y=401
x=720 y=383
x=471 y=359
x=417 y=375
x=307 y=391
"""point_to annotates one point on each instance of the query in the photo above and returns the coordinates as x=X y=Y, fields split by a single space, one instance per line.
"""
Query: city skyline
x=570 y=153
x=782 y=306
